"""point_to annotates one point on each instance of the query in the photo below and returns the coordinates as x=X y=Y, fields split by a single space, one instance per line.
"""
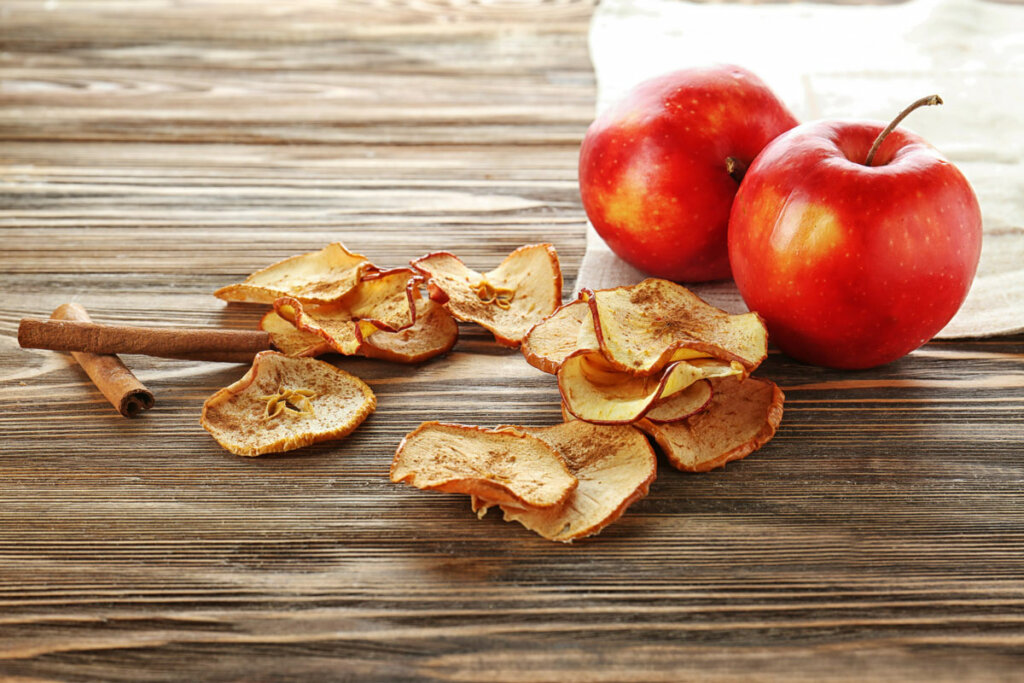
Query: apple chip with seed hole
x=285 y=403
x=508 y=300
x=742 y=416
x=503 y=465
x=434 y=332
x=567 y=331
x=317 y=277
x=615 y=466
x=290 y=340
x=645 y=327
x=382 y=300
x=595 y=391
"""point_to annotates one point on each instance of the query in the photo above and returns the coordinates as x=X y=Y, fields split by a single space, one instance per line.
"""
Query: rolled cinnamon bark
x=225 y=346
x=124 y=391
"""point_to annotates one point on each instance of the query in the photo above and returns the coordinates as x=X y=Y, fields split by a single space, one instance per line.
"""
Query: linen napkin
x=849 y=61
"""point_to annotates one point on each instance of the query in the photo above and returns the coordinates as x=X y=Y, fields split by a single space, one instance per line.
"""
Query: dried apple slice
x=508 y=300
x=742 y=416
x=644 y=327
x=682 y=404
x=382 y=300
x=292 y=341
x=317 y=277
x=434 y=333
x=681 y=374
x=385 y=299
x=335 y=325
x=284 y=403
x=569 y=330
x=614 y=465
x=503 y=465
x=595 y=391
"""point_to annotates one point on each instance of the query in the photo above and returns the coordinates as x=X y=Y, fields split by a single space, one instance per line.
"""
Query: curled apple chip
x=645 y=327
x=595 y=391
x=284 y=403
x=382 y=300
x=508 y=300
x=317 y=277
x=503 y=465
x=742 y=416
x=682 y=404
x=567 y=331
x=335 y=325
x=434 y=332
x=290 y=340
x=614 y=465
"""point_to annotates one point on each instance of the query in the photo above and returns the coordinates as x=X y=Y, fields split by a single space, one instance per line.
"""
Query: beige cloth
x=841 y=61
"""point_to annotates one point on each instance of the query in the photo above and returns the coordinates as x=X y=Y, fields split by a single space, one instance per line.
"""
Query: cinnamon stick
x=224 y=346
x=124 y=391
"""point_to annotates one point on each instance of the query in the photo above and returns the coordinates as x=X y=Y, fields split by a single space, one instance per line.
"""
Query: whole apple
x=853 y=265
x=659 y=170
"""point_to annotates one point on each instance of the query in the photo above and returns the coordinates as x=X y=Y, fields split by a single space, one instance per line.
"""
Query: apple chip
x=292 y=341
x=317 y=277
x=615 y=466
x=434 y=332
x=682 y=404
x=742 y=416
x=503 y=465
x=594 y=390
x=382 y=300
x=335 y=325
x=285 y=403
x=569 y=330
x=508 y=300
x=645 y=327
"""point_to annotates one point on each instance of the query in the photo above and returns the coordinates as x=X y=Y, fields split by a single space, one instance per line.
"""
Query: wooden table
x=151 y=152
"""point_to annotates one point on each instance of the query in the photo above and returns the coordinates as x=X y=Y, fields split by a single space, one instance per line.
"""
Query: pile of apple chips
x=652 y=358
x=564 y=482
x=334 y=300
x=337 y=301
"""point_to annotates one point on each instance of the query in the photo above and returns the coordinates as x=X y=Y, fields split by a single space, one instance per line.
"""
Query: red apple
x=659 y=170
x=853 y=263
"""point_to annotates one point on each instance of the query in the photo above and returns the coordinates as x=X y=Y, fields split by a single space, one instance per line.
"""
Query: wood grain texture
x=153 y=151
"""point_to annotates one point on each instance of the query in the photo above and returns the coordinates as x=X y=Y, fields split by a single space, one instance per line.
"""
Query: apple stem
x=736 y=168
x=923 y=102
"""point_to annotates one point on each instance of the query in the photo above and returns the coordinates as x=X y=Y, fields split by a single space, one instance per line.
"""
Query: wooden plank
x=151 y=152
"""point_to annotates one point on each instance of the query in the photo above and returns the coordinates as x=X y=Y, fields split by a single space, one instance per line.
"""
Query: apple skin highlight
x=653 y=168
x=853 y=266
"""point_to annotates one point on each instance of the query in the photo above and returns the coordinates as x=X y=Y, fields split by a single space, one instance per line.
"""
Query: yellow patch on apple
x=807 y=230
x=630 y=199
